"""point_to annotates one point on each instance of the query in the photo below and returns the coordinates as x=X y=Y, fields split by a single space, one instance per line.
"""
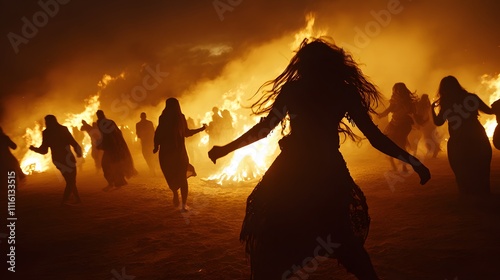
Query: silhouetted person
x=95 y=138
x=169 y=139
x=402 y=107
x=214 y=127
x=469 y=149
x=145 y=131
x=58 y=138
x=8 y=162
x=117 y=163
x=423 y=117
x=495 y=106
x=307 y=193
x=226 y=126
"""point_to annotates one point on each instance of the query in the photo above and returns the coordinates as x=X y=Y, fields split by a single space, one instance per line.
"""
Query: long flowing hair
x=450 y=92
x=171 y=118
x=321 y=61
x=403 y=97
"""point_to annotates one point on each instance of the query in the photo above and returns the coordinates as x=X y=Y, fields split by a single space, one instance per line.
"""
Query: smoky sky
x=193 y=40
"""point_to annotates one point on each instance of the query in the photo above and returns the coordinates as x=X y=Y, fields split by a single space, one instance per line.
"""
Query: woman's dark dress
x=307 y=194
x=174 y=160
x=469 y=150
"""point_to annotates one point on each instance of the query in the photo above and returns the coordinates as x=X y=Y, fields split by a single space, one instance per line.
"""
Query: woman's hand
x=216 y=152
x=422 y=171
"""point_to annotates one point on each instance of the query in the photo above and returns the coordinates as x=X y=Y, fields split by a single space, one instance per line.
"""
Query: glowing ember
x=493 y=84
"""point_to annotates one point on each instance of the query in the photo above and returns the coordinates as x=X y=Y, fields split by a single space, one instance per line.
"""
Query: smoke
x=202 y=55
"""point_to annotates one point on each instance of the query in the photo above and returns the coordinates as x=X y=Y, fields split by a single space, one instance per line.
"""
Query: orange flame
x=493 y=84
x=35 y=163
x=251 y=162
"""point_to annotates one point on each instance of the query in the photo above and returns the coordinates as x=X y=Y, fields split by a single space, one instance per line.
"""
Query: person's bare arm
x=43 y=149
x=483 y=107
x=257 y=132
x=437 y=118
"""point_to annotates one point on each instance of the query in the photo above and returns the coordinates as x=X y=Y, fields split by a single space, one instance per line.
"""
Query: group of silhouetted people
x=469 y=149
x=307 y=193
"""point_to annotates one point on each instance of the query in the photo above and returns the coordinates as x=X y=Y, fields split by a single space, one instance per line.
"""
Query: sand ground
x=417 y=232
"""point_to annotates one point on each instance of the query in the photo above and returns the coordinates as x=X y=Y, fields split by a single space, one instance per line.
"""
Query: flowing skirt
x=306 y=206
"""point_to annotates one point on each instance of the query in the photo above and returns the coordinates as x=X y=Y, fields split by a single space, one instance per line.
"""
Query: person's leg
x=176 y=198
x=68 y=189
x=184 y=195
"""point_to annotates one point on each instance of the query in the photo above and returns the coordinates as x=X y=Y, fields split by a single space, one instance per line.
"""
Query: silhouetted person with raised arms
x=117 y=163
x=8 y=162
x=169 y=140
x=469 y=149
x=95 y=139
x=307 y=193
x=58 y=138
x=402 y=107
x=145 y=131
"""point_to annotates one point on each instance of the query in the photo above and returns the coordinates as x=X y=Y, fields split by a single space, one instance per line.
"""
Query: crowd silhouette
x=319 y=94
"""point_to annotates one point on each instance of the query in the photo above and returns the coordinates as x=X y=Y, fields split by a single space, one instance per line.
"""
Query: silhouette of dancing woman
x=469 y=149
x=402 y=107
x=174 y=161
x=58 y=138
x=307 y=196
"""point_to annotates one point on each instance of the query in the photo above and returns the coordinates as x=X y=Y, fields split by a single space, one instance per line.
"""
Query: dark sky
x=82 y=40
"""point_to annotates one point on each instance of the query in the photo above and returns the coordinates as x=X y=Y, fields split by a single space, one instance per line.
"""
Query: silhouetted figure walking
x=58 y=138
x=95 y=138
x=402 y=107
x=169 y=139
x=117 y=163
x=469 y=149
x=307 y=196
x=8 y=162
x=145 y=131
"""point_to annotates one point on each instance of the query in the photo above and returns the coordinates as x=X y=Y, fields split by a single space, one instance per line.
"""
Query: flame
x=33 y=162
x=252 y=161
x=247 y=163
x=307 y=32
x=492 y=84
x=36 y=163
